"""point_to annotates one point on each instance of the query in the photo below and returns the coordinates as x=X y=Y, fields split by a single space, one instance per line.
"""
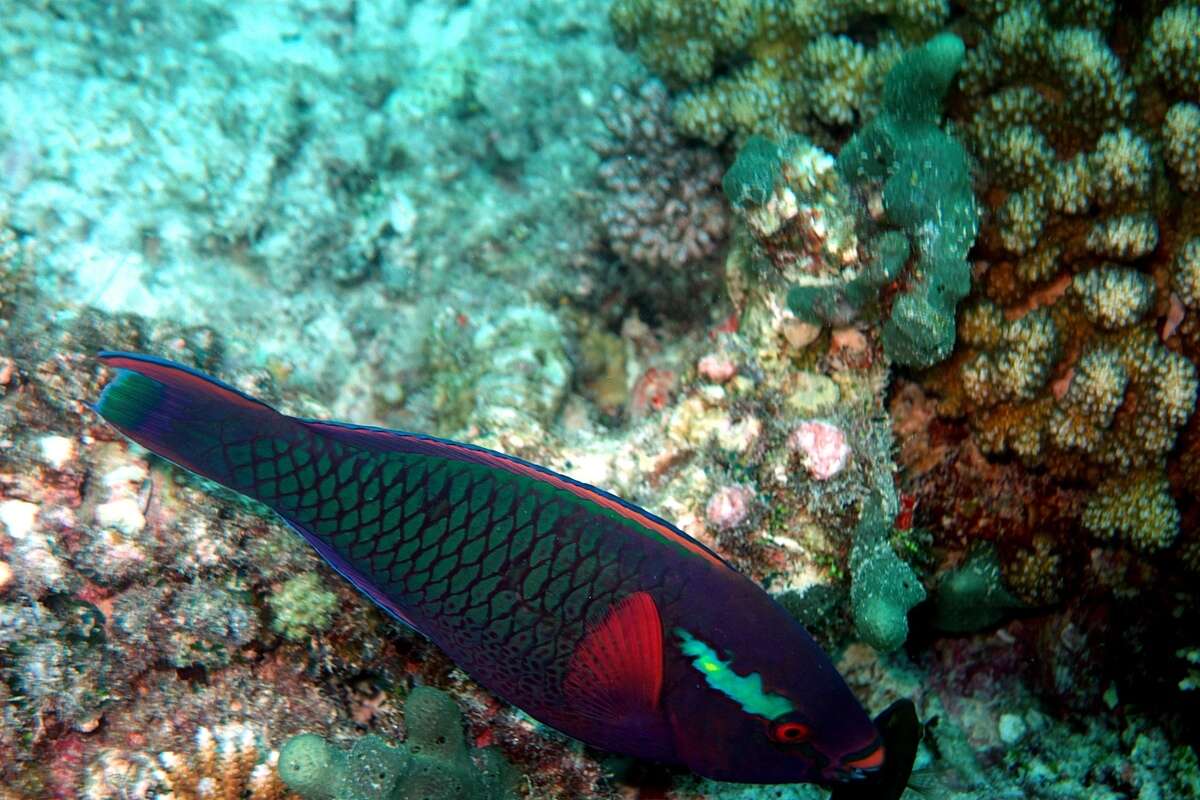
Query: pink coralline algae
x=729 y=507
x=716 y=368
x=822 y=447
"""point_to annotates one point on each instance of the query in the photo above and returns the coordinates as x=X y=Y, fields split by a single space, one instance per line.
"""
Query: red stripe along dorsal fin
x=616 y=672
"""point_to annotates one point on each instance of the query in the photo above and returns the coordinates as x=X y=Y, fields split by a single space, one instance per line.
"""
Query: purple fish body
x=591 y=614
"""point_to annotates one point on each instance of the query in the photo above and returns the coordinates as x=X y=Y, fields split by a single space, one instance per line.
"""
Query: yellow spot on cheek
x=711 y=667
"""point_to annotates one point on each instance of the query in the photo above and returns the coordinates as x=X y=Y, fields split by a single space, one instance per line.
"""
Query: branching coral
x=1138 y=507
x=1070 y=353
x=770 y=66
x=661 y=211
x=227 y=763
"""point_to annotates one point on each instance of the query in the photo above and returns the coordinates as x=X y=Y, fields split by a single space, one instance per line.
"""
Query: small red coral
x=652 y=392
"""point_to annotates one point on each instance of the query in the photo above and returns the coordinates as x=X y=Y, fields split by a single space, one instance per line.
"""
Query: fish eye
x=789 y=732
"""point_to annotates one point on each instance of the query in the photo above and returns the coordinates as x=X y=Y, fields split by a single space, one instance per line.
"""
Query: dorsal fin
x=616 y=672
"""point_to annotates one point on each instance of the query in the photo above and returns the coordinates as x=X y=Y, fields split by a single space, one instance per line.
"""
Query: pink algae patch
x=821 y=446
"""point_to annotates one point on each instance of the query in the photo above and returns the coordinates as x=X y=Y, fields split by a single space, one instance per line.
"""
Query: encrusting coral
x=771 y=66
x=302 y=607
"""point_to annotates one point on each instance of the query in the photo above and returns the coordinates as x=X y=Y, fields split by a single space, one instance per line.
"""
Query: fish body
x=589 y=613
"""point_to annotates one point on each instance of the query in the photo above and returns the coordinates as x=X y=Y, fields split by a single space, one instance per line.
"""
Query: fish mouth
x=859 y=764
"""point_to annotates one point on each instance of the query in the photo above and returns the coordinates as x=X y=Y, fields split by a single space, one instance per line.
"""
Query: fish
x=589 y=613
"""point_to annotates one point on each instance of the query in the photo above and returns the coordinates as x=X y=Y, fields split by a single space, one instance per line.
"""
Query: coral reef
x=770 y=66
x=434 y=762
x=389 y=212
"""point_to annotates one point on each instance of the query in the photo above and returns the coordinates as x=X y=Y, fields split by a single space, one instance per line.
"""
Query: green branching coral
x=434 y=762
x=802 y=216
x=770 y=66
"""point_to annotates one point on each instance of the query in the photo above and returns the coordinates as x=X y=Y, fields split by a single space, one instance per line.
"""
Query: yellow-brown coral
x=770 y=66
x=1066 y=357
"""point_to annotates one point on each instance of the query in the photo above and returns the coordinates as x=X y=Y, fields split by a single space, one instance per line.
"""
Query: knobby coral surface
x=1078 y=351
x=771 y=66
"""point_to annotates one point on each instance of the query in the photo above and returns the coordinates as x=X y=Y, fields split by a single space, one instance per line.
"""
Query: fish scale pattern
x=475 y=554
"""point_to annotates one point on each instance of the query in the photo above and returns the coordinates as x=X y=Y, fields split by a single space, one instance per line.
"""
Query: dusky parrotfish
x=589 y=613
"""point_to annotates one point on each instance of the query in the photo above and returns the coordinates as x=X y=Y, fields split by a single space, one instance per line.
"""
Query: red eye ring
x=790 y=732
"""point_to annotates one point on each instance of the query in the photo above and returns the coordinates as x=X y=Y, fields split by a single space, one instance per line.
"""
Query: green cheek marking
x=745 y=690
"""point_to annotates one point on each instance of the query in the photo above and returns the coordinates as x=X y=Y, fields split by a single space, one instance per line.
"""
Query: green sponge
x=307 y=764
x=434 y=763
x=883 y=588
x=926 y=191
x=972 y=596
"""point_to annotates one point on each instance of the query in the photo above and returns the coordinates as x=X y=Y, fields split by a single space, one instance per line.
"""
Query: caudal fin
x=183 y=415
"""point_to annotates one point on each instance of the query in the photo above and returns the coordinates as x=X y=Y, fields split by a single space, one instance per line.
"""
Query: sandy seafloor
x=389 y=211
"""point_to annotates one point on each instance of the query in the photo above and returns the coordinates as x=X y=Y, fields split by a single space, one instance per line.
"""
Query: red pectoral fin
x=617 y=670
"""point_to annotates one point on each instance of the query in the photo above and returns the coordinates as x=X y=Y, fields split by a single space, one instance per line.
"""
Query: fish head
x=751 y=698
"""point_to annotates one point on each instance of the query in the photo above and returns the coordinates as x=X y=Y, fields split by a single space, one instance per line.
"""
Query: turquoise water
x=923 y=365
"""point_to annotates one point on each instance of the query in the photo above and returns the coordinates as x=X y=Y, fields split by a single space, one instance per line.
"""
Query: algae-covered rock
x=499 y=369
x=211 y=625
x=433 y=763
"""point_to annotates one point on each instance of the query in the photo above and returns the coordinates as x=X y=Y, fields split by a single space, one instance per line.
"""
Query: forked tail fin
x=183 y=415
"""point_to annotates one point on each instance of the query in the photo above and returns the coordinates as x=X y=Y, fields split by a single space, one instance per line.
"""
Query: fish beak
x=859 y=765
